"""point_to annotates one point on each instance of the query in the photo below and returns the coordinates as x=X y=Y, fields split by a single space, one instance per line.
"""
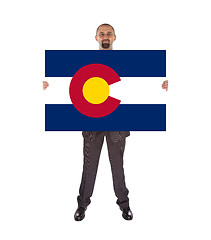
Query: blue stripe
x=127 y=117
x=126 y=63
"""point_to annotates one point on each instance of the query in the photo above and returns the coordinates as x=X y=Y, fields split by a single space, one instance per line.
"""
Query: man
x=93 y=142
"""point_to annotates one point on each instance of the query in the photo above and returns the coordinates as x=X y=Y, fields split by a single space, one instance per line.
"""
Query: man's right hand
x=45 y=85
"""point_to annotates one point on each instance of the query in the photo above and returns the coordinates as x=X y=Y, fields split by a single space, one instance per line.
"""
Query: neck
x=105 y=49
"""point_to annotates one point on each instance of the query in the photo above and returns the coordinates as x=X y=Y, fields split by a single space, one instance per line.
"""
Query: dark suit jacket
x=115 y=135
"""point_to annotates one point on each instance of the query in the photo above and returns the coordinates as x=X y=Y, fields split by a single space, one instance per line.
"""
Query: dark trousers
x=92 y=150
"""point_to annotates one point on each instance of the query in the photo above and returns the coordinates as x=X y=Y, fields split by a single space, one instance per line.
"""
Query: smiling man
x=93 y=142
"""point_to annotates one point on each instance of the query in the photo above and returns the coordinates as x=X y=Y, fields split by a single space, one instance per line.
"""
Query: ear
x=114 y=37
x=96 y=38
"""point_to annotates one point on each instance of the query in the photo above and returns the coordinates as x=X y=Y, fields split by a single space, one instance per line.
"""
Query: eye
x=101 y=34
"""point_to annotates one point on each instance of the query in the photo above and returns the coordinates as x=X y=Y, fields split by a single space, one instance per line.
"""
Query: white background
x=167 y=173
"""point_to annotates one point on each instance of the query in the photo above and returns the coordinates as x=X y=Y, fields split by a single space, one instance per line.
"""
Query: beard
x=105 y=45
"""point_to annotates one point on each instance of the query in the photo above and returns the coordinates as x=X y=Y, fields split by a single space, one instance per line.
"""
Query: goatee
x=105 y=45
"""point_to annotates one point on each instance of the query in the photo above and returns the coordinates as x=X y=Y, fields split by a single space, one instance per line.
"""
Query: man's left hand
x=165 y=85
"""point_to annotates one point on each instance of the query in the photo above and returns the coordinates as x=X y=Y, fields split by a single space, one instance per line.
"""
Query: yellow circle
x=96 y=90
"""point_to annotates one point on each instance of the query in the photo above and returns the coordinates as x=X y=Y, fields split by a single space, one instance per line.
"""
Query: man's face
x=105 y=36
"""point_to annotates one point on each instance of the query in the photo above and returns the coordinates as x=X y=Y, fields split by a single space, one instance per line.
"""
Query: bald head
x=105 y=24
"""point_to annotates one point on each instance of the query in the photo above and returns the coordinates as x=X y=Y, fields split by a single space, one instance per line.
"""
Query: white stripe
x=129 y=90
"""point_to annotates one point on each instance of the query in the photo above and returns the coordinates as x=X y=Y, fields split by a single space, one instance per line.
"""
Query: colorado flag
x=92 y=108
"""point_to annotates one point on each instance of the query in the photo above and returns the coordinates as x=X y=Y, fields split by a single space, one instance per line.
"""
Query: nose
x=106 y=36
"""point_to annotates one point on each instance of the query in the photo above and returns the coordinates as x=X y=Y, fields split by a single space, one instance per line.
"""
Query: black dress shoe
x=80 y=213
x=127 y=213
